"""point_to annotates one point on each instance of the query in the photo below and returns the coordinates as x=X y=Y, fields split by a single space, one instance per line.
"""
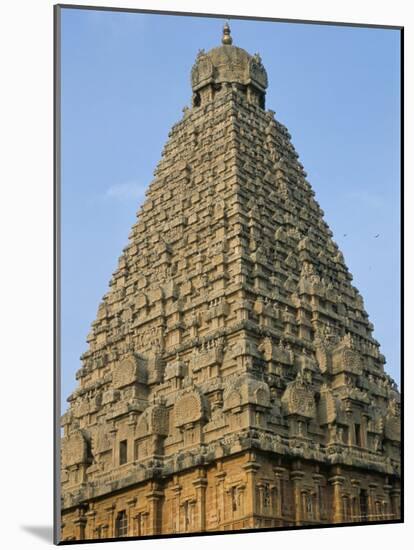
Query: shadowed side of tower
x=231 y=380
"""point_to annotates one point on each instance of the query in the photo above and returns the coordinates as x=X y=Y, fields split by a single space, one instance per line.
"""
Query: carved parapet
x=189 y=408
x=323 y=357
x=66 y=419
x=155 y=295
x=125 y=407
x=279 y=354
x=206 y=359
x=244 y=347
x=327 y=407
x=101 y=440
x=222 y=309
x=155 y=367
x=170 y=291
x=392 y=428
x=131 y=370
x=298 y=399
x=376 y=421
x=110 y=396
x=208 y=355
x=337 y=356
x=174 y=369
x=266 y=347
x=81 y=408
x=259 y=257
x=349 y=394
x=280 y=234
x=153 y=421
x=243 y=390
x=345 y=359
x=76 y=449
x=306 y=362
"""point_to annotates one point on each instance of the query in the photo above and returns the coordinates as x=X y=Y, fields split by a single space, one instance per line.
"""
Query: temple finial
x=226 y=39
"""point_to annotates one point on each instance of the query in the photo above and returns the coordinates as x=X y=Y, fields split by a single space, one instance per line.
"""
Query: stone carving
x=174 y=369
x=233 y=400
x=245 y=390
x=231 y=353
x=100 y=440
x=323 y=356
x=202 y=71
x=344 y=358
x=110 y=396
x=75 y=449
x=209 y=354
x=153 y=421
x=393 y=422
x=130 y=370
x=298 y=399
x=228 y=65
x=188 y=408
x=327 y=408
x=281 y=353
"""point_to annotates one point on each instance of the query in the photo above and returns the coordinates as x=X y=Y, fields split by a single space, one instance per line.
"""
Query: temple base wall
x=246 y=491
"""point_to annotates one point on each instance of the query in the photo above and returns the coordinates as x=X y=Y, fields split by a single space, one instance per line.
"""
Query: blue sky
x=125 y=80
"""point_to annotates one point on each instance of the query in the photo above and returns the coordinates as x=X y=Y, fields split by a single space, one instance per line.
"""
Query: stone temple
x=231 y=379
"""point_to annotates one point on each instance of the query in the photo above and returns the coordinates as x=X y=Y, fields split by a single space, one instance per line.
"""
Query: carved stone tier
x=231 y=378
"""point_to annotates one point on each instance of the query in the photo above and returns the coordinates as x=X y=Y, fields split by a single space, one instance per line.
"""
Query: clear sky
x=125 y=80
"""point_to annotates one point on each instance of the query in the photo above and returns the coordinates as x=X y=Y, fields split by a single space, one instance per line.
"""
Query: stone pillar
x=112 y=437
x=220 y=503
x=355 y=509
x=371 y=501
x=130 y=517
x=260 y=500
x=378 y=509
x=296 y=476
x=90 y=515
x=111 y=522
x=200 y=485
x=242 y=495
x=364 y=436
x=154 y=497
x=387 y=509
x=395 y=495
x=251 y=467
x=62 y=530
x=317 y=478
x=136 y=528
x=242 y=311
x=337 y=482
x=279 y=504
x=345 y=508
x=104 y=531
x=176 y=500
x=80 y=525
x=304 y=495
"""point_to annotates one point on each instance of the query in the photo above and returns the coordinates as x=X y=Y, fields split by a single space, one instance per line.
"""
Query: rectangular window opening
x=123 y=449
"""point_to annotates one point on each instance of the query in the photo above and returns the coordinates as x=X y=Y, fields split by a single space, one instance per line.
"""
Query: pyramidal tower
x=231 y=379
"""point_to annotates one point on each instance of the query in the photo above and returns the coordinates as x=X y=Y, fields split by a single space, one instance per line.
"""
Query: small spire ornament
x=226 y=39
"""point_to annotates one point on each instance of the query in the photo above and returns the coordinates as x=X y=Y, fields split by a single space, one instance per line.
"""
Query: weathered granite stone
x=232 y=380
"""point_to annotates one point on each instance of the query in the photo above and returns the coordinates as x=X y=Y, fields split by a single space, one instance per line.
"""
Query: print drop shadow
x=43 y=532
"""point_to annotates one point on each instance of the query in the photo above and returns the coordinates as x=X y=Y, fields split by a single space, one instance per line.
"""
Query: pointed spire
x=226 y=39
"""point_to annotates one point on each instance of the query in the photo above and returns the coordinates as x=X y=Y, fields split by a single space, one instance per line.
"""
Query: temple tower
x=231 y=379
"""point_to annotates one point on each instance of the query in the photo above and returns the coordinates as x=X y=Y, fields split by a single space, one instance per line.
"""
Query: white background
x=26 y=275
